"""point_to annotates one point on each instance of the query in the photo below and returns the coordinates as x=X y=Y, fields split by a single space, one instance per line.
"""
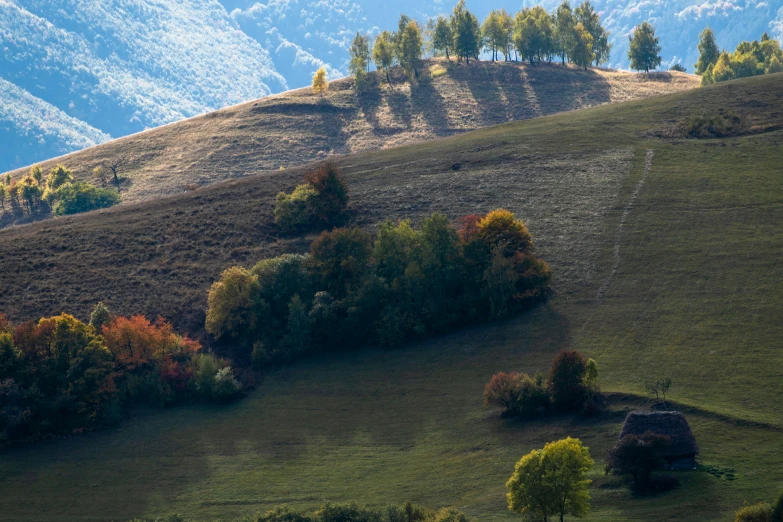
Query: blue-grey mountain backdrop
x=74 y=73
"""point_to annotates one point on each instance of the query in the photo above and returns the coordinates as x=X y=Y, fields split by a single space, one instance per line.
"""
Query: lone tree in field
x=383 y=53
x=551 y=482
x=708 y=51
x=644 y=52
x=114 y=165
x=320 y=83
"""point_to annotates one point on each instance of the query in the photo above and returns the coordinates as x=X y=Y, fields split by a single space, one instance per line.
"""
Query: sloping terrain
x=298 y=127
x=666 y=256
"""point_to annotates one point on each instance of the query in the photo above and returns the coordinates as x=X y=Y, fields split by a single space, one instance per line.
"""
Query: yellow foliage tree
x=320 y=83
x=551 y=481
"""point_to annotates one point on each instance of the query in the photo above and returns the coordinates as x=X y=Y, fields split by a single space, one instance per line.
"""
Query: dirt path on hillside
x=621 y=226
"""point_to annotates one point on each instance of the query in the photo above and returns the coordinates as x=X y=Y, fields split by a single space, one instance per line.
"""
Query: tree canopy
x=644 y=51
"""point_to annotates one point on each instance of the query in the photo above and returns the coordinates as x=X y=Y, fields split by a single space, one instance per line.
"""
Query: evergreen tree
x=564 y=30
x=360 y=59
x=644 y=51
x=443 y=38
x=466 y=31
x=383 y=53
x=708 y=51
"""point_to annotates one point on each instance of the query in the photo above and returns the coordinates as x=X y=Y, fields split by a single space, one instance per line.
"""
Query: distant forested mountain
x=74 y=73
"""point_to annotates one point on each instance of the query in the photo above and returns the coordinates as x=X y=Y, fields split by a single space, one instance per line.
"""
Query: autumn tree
x=410 y=49
x=3 y=193
x=234 y=305
x=495 y=33
x=564 y=30
x=591 y=22
x=566 y=380
x=383 y=53
x=37 y=174
x=442 y=37
x=502 y=390
x=708 y=51
x=582 y=52
x=644 y=51
x=320 y=83
x=552 y=481
x=467 y=33
x=30 y=192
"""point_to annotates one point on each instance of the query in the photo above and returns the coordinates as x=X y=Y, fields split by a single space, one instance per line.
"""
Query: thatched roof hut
x=683 y=450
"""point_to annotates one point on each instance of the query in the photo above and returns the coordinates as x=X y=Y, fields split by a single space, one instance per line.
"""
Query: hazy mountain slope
x=31 y=127
x=123 y=67
x=298 y=127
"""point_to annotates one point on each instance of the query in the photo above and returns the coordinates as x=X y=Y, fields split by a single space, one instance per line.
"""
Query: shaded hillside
x=666 y=255
x=297 y=127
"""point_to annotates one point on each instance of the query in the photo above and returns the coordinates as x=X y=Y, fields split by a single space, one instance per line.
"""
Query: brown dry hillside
x=297 y=127
x=562 y=174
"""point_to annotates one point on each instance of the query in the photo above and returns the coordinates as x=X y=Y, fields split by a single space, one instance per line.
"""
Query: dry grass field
x=665 y=251
x=298 y=127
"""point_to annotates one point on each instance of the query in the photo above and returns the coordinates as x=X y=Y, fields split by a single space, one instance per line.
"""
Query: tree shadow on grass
x=428 y=102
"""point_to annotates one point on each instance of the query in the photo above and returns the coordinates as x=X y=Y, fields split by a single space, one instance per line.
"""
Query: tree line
x=748 y=59
x=575 y=35
x=60 y=376
x=57 y=193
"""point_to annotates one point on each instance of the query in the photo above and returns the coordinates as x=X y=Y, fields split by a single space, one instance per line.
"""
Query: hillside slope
x=666 y=258
x=298 y=127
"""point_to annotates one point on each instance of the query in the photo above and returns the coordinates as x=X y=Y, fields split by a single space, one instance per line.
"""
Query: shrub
x=637 y=456
x=500 y=229
x=566 y=381
x=74 y=198
x=294 y=212
x=761 y=512
x=226 y=387
x=339 y=259
x=332 y=189
x=283 y=514
x=502 y=390
x=450 y=515
x=319 y=203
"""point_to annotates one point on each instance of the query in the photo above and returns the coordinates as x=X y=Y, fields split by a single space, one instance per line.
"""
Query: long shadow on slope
x=428 y=102
x=556 y=89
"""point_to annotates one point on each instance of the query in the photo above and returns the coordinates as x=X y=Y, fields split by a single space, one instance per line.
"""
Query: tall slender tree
x=410 y=49
x=467 y=33
x=582 y=53
x=360 y=59
x=708 y=51
x=443 y=38
x=586 y=15
x=383 y=53
x=564 y=30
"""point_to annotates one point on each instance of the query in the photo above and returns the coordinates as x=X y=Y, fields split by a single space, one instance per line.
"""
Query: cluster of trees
x=57 y=192
x=551 y=482
x=60 y=376
x=353 y=289
x=352 y=512
x=320 y=202
x=534 y=34
x=761 y=512
x=571 y=385
x=748 y=59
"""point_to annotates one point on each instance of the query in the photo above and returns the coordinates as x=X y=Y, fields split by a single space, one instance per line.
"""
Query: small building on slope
x=683 y=450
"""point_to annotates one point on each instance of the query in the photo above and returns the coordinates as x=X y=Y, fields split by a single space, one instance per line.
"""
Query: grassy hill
x=298 y=127
x=666 y=256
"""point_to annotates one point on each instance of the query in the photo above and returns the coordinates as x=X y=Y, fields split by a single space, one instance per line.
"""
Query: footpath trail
x=621 y=226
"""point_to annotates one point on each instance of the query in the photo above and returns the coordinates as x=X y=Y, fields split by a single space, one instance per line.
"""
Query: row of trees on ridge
x=534 y=34
x=748 y=59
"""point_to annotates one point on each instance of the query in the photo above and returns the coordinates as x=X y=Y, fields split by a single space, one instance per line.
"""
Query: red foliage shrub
x=502 y=390
x=467 y=226
x=135 y=341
